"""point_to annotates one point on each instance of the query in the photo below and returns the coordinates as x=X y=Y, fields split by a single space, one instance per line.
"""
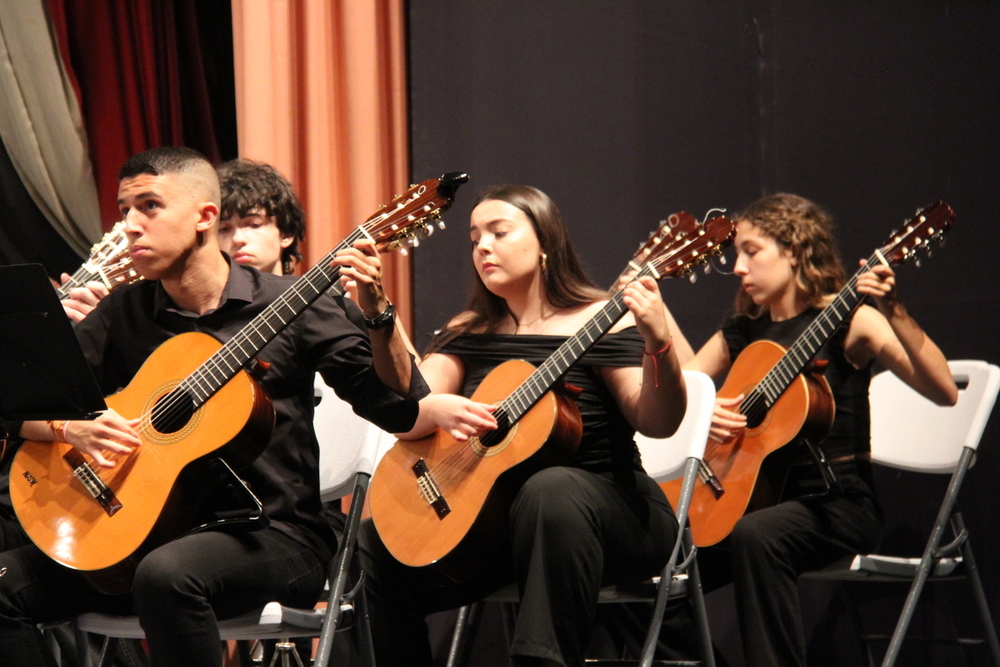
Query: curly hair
x=566 y=283
x=249 y=187
x=806 y=230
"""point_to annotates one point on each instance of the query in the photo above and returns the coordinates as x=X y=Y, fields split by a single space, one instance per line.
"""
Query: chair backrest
x=912 y=433
x=347 y=443
x=664 y=458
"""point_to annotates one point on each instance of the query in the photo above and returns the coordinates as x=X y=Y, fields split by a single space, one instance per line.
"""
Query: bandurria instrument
x=194 y=397
x=786 y=396
x=443 y=503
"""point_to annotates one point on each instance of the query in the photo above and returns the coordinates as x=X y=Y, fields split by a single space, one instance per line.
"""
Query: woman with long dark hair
x=572 y=528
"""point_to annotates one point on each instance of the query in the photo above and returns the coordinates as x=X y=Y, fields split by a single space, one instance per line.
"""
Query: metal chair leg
x=466 y=624
x=697 y=598
x=926 y=561
x=972 y=572
x=286 y=651
x=340 y=571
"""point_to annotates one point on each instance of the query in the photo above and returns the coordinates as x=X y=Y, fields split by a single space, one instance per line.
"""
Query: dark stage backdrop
x=626 y=111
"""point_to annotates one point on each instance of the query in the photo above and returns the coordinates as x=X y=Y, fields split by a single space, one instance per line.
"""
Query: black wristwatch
x=383 y=320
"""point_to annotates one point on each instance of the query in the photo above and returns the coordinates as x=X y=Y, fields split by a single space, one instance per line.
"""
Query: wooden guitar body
x=66 y=521
x=477 y=482
x=752 y=467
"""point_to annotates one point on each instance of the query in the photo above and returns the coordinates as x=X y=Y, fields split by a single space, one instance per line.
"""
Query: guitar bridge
x=91 y=481
x=706 y=475
x=429 y=489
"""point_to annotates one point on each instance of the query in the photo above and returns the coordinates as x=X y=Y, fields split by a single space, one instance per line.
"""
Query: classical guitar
x=195 y=398
x=443 y=503
x=109 y=263
x=786 y=397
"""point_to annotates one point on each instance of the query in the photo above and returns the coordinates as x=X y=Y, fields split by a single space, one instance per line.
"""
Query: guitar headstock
x=928 y=226
x=409 y=217
x=687 y=251
x=111 y=248
x=670 y=230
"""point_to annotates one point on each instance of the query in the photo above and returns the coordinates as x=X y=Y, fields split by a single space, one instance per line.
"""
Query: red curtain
x=141 y=81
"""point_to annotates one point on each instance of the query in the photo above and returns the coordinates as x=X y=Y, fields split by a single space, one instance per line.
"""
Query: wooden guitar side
x=64 y=520
x=477 y=482
x=806 y=408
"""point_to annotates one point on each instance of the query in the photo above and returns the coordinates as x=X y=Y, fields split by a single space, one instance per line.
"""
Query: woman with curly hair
x=789 y=271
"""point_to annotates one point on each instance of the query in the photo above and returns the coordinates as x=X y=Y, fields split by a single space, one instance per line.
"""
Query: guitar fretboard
x=552 y=369
x=805 y=347
x=234 y=356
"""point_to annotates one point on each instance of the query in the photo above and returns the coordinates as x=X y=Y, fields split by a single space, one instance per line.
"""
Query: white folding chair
x=911 y=433
x=663 y=459
x=349 y=446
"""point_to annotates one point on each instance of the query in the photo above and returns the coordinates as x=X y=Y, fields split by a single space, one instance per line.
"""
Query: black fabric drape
x=25 y=234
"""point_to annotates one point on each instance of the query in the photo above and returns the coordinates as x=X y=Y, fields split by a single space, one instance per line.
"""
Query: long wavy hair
x=565 y=282
x=806 y=230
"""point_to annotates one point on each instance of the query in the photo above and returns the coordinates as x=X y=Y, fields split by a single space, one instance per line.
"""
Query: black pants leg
x=767 y=552
x=570 y=531
x=181 y=589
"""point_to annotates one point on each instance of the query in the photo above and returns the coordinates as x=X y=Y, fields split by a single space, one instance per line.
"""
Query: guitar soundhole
x=493 y=438
x=172 y=412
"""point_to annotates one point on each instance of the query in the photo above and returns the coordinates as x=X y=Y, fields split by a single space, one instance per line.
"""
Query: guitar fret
x=816 y=341
x=802 y=351
x=238 y=362
x=542 y=379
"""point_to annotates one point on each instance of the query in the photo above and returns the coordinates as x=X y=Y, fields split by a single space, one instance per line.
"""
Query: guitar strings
x=185 y=395
x=757 y=403
x=453 y=465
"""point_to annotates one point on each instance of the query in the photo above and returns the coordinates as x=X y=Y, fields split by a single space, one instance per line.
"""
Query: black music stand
x=43 y=373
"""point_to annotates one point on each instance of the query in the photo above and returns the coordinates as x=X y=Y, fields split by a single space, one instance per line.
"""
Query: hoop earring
x=545 y=259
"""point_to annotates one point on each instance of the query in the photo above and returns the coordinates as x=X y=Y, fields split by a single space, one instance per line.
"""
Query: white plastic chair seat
x=875 y=567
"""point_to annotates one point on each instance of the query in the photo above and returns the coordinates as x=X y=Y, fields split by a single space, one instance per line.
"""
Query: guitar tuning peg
x=708 y=269
x=693 y=277
x=414 y=243
x=440 y=223
x=722 y=260
x=403 y=251
x=917 y=262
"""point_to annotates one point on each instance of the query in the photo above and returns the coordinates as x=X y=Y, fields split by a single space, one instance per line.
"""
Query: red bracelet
x=653 y=356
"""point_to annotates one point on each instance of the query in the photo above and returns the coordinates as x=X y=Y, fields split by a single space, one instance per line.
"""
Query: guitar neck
x=808 y=344
x=560 y=361
x=80 y=277
x=236 y=354
x=114 y=275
